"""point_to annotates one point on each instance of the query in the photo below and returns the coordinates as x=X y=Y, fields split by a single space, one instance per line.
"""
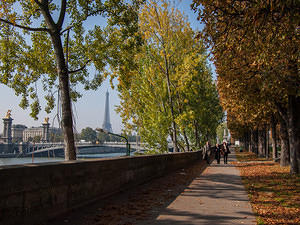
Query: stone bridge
x=57 y=149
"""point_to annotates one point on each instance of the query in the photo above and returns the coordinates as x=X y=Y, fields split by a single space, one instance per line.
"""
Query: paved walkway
x=217 y=196
x=185 y=197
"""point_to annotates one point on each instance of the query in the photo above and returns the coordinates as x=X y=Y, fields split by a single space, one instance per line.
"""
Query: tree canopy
x=255 y=46
x=48 y=41
x=88 y=134
x=168 y=89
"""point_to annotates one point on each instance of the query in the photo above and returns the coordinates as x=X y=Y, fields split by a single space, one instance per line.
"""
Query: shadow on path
x=183 y=197
x=186 y=217
x=215 y=197
x=137 y=204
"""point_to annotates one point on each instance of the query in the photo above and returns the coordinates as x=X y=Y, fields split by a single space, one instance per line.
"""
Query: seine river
x=16 y=161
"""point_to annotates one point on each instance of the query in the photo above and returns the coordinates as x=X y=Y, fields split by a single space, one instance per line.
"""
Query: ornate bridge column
x=46 y=134
x=7 y=120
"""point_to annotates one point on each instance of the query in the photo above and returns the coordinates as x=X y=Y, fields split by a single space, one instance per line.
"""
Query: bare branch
x=62 y=13
x=156 y=61
x=67 y=49
x=48 y=17
x=67 y=29
x=282 y=112
x=24 y=27
x=81 y=68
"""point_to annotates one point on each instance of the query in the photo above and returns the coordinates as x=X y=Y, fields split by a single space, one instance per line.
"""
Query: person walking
x=225 y=151
x=217 y=153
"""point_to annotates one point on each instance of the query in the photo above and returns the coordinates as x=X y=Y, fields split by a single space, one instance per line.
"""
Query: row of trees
x=255 y=46
x=165 y=84
x=89 y=134
x=86 y=134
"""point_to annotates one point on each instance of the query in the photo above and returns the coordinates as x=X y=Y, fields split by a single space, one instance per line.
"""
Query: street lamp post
x=127 y=143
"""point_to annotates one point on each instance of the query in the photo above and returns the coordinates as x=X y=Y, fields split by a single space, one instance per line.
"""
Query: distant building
x=32 y=132
x=17 y=132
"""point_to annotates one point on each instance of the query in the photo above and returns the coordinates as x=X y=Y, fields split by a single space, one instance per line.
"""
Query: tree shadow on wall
x=143 y=202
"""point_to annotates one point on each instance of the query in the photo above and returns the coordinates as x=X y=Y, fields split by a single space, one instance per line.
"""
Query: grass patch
x=274 y=193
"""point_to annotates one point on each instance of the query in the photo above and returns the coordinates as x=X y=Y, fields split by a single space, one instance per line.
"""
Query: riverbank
x=9 y=160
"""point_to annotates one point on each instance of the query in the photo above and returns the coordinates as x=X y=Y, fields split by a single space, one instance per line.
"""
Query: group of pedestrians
x=221 y=150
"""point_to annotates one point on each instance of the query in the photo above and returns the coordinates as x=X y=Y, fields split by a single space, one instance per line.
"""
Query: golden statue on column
x=8 y=114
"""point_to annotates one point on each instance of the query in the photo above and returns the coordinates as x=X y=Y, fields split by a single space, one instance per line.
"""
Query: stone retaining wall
x=34 y=192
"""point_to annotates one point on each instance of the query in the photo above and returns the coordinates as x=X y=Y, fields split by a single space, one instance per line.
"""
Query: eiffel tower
x=106 y=123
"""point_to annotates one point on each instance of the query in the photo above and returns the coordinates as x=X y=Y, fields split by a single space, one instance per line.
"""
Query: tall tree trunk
x=174 y=131
x=249 y=140
x=251 y=148
x=246 y=141
x=273 y=139
x=267 y=143
x=284 y=142
x=293 y=112
x=62 y=71
x=196 y=135
x=67 y=118
x=254 y=141
x=261 y=142
x=181 y=147
x=186 y=141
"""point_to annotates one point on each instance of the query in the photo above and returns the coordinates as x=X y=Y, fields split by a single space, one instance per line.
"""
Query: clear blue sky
x=89 y=110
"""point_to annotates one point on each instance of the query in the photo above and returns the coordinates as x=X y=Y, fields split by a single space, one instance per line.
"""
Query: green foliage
x=28 y=49
x=88 y=134
x=220 y=130
x=56 y=137
x=46 y=41
x=168 y=80
x=36 y=139
x=29 y=139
